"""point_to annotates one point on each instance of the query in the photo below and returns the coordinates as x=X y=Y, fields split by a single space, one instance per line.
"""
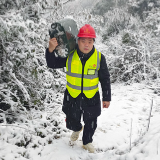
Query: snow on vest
x=90 y=77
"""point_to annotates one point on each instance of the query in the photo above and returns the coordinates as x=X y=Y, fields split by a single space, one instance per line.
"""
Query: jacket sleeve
x=53 y=61
x=104 y=78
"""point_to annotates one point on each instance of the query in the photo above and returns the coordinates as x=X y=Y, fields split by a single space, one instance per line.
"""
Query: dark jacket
x=91 y=107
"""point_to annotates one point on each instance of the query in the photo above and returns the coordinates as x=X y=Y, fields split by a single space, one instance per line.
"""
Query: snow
x=79 y=5
x=122 y=128
x=130 y=106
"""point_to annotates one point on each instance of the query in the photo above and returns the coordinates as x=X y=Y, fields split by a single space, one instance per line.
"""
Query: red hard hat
x=87 y=31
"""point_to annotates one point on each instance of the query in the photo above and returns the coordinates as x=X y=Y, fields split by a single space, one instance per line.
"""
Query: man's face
x=85 y=44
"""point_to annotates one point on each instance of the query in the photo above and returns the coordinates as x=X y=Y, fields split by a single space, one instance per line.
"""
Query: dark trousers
x=89 y=128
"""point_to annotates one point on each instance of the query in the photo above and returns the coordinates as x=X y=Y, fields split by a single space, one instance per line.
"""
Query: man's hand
x=52 y=44
x=106 y=104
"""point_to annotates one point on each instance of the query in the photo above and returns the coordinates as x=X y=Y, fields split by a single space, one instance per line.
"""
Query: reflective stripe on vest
x=79 y=87
x=90 y=77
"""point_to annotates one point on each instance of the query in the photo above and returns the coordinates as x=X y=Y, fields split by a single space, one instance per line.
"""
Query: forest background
x=129 y=32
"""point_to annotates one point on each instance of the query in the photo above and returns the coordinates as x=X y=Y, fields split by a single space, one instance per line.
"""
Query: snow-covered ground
x=125 y=121
x=79 y=5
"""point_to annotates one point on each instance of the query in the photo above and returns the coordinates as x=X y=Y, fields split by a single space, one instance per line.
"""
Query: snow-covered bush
x=132 y=46
x=115 y=21
x=142 y=8
x=136 y=57
x=25 y=79
x=104 y=6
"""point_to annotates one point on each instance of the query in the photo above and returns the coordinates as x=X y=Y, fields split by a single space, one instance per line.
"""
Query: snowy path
x=112 y=137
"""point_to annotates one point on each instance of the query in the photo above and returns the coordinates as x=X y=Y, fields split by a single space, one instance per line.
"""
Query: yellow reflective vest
x=86 y=82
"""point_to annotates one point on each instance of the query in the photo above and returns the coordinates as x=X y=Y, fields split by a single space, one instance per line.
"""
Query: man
x=85 y=68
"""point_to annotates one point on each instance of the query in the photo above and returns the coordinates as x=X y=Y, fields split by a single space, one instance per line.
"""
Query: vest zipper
x=81 y=95
x=83 y=63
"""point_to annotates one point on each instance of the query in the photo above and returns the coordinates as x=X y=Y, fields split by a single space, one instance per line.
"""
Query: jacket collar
x=83 y=55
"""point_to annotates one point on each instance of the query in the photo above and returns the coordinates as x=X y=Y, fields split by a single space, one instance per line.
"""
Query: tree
x=25 y=81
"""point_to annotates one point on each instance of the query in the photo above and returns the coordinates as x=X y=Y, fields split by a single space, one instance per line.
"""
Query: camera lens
x=53 y=25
